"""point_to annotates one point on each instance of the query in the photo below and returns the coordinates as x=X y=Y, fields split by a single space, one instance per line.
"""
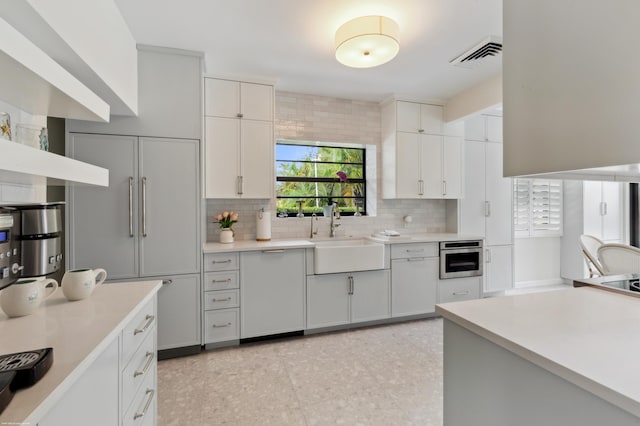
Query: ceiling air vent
x=487 y=48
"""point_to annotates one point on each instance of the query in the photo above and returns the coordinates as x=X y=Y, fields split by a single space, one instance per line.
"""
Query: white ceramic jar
x=25 y=296
x=78 y=284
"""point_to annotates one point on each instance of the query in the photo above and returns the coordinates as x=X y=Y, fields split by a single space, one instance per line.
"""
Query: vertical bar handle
x=602 y=213
x=487 y=208
x=605 y=208
x=131 y=206
x=420 y=187
x=144 y=206
x=444 y=187
x=350 y=284
x=239 y=185
x=487 y=256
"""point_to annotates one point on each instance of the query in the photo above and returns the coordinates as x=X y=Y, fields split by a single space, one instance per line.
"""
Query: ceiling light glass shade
x=367 y=41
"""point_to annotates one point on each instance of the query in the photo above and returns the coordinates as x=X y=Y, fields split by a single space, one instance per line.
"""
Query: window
x=318 y=176
x=537 y=208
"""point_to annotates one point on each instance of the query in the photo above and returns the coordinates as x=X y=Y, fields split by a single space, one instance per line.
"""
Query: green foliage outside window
x=319 y=176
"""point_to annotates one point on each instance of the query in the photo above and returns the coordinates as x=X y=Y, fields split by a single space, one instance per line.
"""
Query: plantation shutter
x=537 y=208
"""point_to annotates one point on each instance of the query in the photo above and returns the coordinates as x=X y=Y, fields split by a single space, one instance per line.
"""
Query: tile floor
x=382 y=375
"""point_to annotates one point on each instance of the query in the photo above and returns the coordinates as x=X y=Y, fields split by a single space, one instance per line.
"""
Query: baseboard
x=178 y=352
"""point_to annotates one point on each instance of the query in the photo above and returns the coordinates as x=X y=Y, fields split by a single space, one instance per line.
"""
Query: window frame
x=330 y=145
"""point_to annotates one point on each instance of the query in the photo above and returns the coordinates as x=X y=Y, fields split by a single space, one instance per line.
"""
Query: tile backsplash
x=320 y=118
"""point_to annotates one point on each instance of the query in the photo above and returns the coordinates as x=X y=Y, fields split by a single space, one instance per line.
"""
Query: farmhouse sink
x=347 y=256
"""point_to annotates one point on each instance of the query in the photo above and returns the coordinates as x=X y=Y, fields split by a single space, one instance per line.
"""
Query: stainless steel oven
x=460 y=259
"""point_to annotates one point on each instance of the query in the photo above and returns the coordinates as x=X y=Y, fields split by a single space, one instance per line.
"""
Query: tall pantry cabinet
x=486 y=208
x=146 y=223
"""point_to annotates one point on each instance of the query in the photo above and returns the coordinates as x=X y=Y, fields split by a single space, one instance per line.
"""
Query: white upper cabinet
x=239 y=139
x=483 y=128
x=603 y=212
x=419 y=161
x=419 y=118
x=236 y=99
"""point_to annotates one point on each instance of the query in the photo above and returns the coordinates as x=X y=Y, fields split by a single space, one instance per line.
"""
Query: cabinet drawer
x=135 y=332
x=143 y=406
x=220 y=261
x=142 y=364
x=221 y=325
x=405 y=251
x=456 y=290
x=221 y=299
x=221 y=280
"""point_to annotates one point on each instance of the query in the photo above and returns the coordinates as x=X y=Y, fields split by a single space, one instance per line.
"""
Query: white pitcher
x=25 y=296
x=78 y=284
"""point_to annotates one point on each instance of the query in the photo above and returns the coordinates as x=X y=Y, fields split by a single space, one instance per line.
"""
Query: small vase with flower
x=226 y=221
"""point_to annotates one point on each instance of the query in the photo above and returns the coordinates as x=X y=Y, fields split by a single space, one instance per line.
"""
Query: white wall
x=537 y=261
x=319 y=118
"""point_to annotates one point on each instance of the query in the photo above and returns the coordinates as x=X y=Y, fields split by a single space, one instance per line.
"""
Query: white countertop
x=587 y=336
x=250 y=245
x=77 y=331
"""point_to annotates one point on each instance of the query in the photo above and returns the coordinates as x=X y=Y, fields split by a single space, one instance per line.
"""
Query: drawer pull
x=273 y=251
x=149 y=319
x=221 y=326
x=167 y=282
x=414 y=250
x=146 y=365
x=228 y=299
x=460 y=293
x=221 y=281
x=221 y=261
x=149 y=392
x=415 y=259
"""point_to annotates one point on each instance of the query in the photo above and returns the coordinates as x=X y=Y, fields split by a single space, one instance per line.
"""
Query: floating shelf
x=18 y=158
x=35 y=83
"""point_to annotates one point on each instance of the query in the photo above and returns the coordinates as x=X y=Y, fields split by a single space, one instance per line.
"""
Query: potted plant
x=226 y=221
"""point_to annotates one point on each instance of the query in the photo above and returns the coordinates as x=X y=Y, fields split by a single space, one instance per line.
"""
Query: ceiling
x=292 y=42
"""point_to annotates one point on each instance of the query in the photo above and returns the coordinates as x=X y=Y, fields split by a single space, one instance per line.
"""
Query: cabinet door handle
x=239 y=115
x=149 y=357
x=131 y=206
x=351 y=285
x=227 y=299
x=167 y=282
x=487 y=255
x=239 y=185
x=221 y=326
x=487 y=209
x=605 y=208
x=273 y=251
x=149 y=392
x=221 y=261
x=149 y=319
x=144 y=206
x=460 y=293
x=444 y=187
x=420 y=130
x=221 y=281
x=420 y=187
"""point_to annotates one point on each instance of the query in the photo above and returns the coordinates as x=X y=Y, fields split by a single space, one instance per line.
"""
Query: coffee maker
x=38 y=234
x=10 y=253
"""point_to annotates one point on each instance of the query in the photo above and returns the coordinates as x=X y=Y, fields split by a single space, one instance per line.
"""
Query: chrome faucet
x=312 y=232
x=335 y=215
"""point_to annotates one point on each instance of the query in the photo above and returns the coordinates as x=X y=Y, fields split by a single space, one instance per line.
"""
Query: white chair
x=590 y=245
x=619 y=259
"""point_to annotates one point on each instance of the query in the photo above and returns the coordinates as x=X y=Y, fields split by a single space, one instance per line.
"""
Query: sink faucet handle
x=336 y=211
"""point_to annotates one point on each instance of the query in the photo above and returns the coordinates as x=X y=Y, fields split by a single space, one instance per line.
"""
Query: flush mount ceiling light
x=367 y=41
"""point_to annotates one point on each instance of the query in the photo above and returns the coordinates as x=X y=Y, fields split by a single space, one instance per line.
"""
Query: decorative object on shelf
x=30 y=135
x=5 y=126
x=226 y=221
x=367 y=41
x=44 y=139
x=263 y=225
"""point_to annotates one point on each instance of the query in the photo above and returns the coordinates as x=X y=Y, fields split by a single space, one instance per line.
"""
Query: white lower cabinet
x=458 y=289
x=120 y=386
x=221 y=298
x=338 y=299
x=272 y=290
x=498 y=268
x=178 y=312
x=414 y=285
